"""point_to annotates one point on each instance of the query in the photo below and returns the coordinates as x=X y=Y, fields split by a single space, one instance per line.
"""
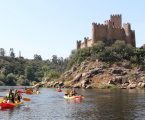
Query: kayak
x=18 y=104
x=26 y=99
x=73 y=97
x=59 y=90
x=9 y=105
x=67 y=97
x=6 y=105
x=29 y=92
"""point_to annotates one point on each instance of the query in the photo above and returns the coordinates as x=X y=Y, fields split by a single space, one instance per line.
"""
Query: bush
x=119 y=51
x=2 y=83
x=11 y=79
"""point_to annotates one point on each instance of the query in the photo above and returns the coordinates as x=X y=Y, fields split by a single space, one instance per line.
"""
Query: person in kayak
x=10 y=96
x=67 y=92
x=73 y=92
x=17 y=96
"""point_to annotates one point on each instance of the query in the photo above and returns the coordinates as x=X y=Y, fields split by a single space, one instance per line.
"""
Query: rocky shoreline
x=96 y=74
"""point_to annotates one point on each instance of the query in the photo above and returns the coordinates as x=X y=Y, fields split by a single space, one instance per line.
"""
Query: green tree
x=12 y=54
x=2 y=52
x=37 y=57
x=11 y=79
x=29 y=73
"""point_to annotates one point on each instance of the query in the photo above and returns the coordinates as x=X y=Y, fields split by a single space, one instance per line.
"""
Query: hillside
x=101 y=66
x=97 y=74
x=20 y=71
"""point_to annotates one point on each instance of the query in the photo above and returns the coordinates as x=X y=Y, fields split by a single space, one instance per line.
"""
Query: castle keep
x=111 y=30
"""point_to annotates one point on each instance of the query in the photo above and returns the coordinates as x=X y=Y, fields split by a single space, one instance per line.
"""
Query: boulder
x=83 y=67
x=124 y=85
x=61 y=84
x=141 y=84
x=85 y=82
x=88 y=87
x=55 y=84
x=111 y=82
x=118 y=80
x=132 y=86
x=85 y=74
x=117 y=71
x=77 y=78
x=96 y=71
x=126 y=64
x=74 y=68
x=77 y=86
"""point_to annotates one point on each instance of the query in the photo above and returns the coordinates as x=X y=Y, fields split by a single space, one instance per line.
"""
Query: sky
x=51 y=27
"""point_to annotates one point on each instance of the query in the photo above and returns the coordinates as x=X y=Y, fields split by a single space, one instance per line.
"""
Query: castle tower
x=130 y=34
x=94 y=32
x=127 y=29
x=116 y=21
x=133 y=38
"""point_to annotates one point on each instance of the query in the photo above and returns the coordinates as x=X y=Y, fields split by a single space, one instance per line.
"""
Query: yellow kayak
x=19 y=103
x=73 y=97
x=67 y=97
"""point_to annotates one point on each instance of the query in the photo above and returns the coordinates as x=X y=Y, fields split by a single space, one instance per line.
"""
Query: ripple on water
x=97 y=105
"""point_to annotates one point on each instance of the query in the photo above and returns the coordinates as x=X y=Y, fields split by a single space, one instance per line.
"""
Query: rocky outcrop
x=77 y=78
x=90 y=74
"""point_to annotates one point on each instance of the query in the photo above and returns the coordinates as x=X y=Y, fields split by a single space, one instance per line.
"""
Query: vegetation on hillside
x=118 y=51
x=20 y=71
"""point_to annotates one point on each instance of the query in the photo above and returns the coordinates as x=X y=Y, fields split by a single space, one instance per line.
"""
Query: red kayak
x=59 y=90
x=6 y=105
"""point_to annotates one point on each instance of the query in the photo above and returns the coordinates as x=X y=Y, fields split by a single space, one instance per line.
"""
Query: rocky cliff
x=97 y=74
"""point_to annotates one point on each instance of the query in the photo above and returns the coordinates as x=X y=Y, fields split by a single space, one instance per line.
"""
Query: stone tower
x=116 y=21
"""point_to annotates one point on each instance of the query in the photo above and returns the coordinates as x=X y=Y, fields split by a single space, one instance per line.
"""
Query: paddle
x=27 y=99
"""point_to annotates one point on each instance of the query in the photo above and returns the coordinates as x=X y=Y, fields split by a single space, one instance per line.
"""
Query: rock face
x=117 y=71
x=90 y=74
x=77 y=78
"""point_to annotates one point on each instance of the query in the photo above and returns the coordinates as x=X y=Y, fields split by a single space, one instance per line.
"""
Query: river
x=104 y=104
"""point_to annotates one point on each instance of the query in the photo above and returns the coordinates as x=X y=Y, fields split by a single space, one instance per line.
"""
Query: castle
x=111 y=30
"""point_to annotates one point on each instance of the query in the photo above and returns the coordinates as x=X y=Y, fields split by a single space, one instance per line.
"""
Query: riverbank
x=97 y=74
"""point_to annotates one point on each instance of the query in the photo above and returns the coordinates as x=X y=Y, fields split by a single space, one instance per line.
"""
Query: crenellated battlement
x=111 y=29
x=115 y=15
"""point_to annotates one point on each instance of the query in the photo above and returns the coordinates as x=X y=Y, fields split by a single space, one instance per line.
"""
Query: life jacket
x=10 y=96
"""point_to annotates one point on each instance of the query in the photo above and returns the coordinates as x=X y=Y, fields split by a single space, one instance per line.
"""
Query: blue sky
x=49 y=27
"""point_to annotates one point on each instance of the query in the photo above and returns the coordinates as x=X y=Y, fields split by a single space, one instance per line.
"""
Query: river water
x=96 y=105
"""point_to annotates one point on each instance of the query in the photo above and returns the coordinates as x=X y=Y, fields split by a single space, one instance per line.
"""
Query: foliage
x=20 y=71
x=37 y=57
x=11 y=79
x=52 y=75
x=118 y=51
